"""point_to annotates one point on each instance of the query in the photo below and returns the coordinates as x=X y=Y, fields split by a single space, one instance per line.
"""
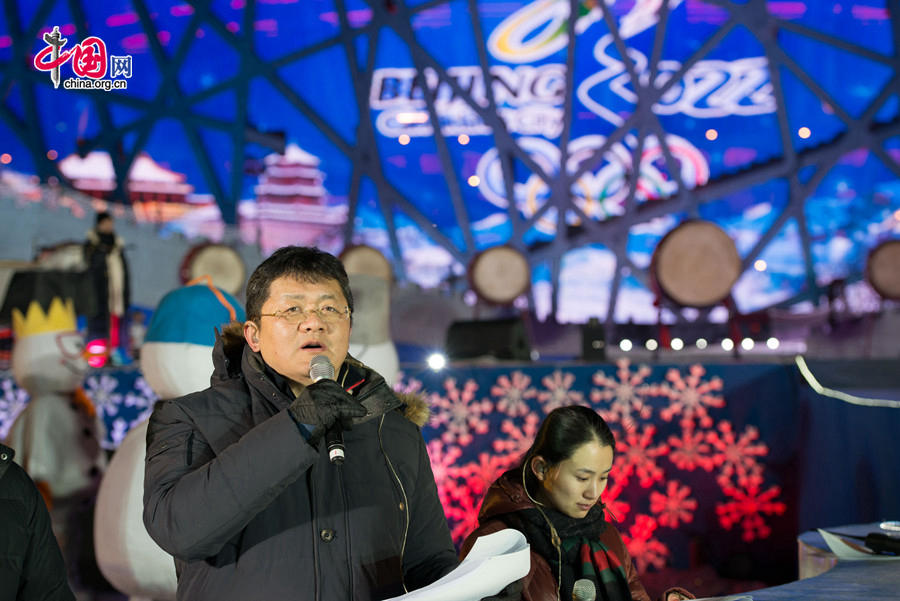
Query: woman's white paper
x=494 y=561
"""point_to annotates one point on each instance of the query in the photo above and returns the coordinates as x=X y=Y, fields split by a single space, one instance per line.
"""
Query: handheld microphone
x=584 y=590
x=320 y=368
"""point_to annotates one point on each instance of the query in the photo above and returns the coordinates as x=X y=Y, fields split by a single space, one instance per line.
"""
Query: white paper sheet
x=844 y=550
x=493 y=562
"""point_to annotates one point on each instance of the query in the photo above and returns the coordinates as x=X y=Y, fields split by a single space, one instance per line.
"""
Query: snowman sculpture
x=176 y=359
x=57 y=436
x=371 y=279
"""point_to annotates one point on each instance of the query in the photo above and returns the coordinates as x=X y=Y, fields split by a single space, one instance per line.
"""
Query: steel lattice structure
x=803 y=167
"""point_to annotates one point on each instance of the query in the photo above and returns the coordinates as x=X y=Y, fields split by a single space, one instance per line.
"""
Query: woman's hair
x=564 y=430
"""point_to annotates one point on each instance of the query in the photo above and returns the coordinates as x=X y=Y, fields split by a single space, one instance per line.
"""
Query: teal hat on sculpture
x=192 y=314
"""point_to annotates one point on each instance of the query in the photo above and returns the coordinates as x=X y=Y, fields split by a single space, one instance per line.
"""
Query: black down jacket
x=31 y=564
x=251 y=511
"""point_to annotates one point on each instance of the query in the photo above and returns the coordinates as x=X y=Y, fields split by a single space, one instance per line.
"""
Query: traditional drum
x=695 y=264
x=499 y=275
x=362 y=259
x=883 y=269
x=371 y=279
x=221 y=263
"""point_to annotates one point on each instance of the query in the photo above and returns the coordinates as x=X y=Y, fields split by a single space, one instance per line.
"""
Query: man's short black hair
x=303 y=263
x=102 y=216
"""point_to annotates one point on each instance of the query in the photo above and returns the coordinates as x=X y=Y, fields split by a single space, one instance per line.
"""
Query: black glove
x=511 y=592
x=325 y=404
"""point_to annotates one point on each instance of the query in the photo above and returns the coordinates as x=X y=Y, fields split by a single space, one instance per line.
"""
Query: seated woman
x=553 y=498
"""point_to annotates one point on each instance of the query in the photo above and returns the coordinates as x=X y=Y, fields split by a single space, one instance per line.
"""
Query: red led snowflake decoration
x=462 y=511
x=616 y=507
x=636 y=454
x=480 y=474
x=748 y=507
x=691 y=450
x=513 y=393
x=736 y=456
x=643 y=548
x=460 y=414
x=624 y=396
x=518 y=440
x=443 y=465
x=690 y=396
x=673 y=507
x=559 y=391
x=404 y=386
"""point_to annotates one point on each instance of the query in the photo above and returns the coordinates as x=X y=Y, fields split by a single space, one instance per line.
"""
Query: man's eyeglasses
x=326 y=313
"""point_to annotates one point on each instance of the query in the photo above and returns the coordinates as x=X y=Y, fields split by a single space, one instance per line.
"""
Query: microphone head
x=320 y=368
x=584 y=590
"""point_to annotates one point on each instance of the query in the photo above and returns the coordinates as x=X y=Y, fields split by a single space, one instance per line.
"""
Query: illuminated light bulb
x=436 y=361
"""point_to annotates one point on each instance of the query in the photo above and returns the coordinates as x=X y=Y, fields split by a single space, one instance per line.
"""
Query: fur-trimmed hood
x=228 y=354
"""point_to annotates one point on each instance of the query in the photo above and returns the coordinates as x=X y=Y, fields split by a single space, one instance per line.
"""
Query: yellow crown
x=60 y=318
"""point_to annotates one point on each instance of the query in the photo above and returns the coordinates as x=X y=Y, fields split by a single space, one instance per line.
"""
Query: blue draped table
x=847 y=581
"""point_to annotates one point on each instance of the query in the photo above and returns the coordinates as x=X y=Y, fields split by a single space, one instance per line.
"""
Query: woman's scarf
x=583 y=554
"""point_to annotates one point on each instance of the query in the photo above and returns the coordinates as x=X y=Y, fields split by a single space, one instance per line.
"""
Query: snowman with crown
x=57 y=436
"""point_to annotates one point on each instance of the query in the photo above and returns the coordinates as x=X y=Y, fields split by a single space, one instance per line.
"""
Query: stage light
x=760 y=265
x=96 y=352
x=711 y=134
x=651 y=345
x=727 y=344
x=51 y=154
x=773 y=343
x=474 y=180
x=625 y=345
x=804 y=132
x=6 y=158
x=747 y=344
x=677 y=344
x=701 y=343
x=436 y=361
x=403 y=139
x=463 y=139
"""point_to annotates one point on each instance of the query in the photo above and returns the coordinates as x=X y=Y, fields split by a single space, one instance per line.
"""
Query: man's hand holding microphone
x=326 y=405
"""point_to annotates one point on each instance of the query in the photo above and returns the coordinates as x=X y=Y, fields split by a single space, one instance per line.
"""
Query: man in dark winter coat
x=239 y=486
x=31 y=564
x=104 y=255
